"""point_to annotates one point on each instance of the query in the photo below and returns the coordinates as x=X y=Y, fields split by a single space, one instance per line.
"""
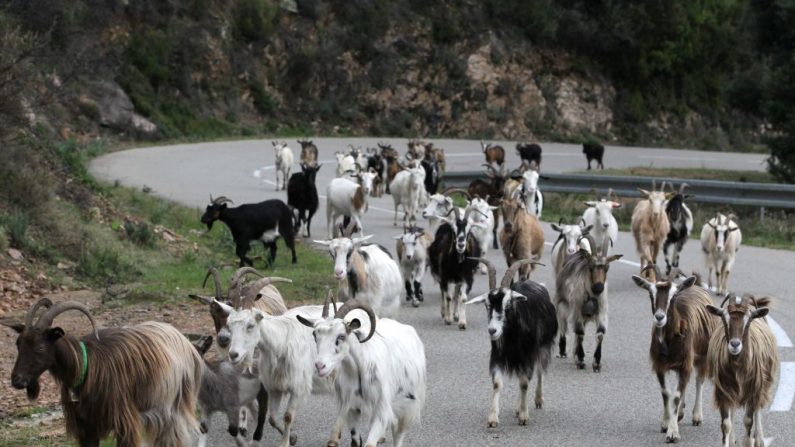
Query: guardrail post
x=761 y=214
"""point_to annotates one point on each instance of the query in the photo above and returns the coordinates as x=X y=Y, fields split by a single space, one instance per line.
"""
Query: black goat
x=375 y=163
x=529 y=152
x=264 y=221
x=450 y=254
x=432 y=173
x=681 y=224
x=594 y=151
x=302 y=196
x=522 y=327
x=492 y=191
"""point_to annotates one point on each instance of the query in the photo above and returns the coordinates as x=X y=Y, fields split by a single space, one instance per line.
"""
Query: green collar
x=84 y=369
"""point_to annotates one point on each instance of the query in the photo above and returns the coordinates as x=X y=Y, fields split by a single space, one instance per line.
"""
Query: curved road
x=618 y=407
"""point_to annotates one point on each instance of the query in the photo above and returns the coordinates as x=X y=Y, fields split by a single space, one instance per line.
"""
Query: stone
x=116 y=110
x=15 y=254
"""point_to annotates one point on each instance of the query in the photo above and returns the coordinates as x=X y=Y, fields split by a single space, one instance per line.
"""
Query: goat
x=521 y=236
x=284 y=162
x=453 y=246
x=264 y=221
x=495 y=155
x=153 y=400
x=412 y=252
x=484 y=233
x=345 y=162
x=650 y=224
x=432 y=173
x=599 y=216
x=681 y=224
x=393 y=166
x=345 y=198
x=529 y=153
x=720 y=242
x=441 y=205
x=302 y=196
x=571 y=240
x=375 y=164
x=594 y=151
x=286 y=364
x=416 y=150
x=581 y=295
x=308 y=152
x=383 y=374
x=534 y=200
x=226 y=389
x=407 y=189
x=366 y=272
x=743 y=364
x=522 y=328
x=493 y=191
x=679 y=340
x=438 y=154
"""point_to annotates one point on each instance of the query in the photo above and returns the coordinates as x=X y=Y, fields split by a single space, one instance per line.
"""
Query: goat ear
x=225 y=308
x=687 y=283
x=478 y=299
x=613 y=258
x=326 y=243
x=717 y=311
x=615 y=204
x=643 y=192
x=359 y=240
x=54 y=334
x=587 y=230
x=641 y=282
x=518 y=296
x=759 y=313
x=353 y=325
x=733 y=229
x=18 y=327
x=590 y=203
x=557 y=228
x=305 y=321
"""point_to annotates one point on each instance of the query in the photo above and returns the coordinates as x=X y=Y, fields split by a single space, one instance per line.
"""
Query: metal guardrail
x=765 y=195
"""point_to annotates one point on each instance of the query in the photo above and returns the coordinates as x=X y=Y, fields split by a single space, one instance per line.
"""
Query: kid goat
x=720 y=242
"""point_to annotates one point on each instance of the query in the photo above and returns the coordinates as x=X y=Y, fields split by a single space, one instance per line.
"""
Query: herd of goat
x=269 y=355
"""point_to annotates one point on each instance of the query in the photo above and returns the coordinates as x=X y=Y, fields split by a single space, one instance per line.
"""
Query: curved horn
x=251 y=289
x=654 y=184
x=658 y=274
x=492 y=272
x=216 y=279
x=489 y=167
x=221 y=199
x=241 y=273
x=506 y=280
x=449 y=191
x=682 y=187
x=728 y=295
x=44 y=302
x=329 y=299
x=58 y=308
x=355 y=304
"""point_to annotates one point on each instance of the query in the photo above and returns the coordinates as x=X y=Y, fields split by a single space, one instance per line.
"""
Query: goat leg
x=579 y=353
x=496 y=383
x=726 y=427
x=666 y=418
x=521 y=411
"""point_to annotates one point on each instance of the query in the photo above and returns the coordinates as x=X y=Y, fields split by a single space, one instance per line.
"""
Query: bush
x=140 y=234
x=254 y=20
x=5 y=241
x=16 y=224
x=100 y=264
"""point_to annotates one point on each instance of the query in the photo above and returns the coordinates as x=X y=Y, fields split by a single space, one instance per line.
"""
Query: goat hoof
x=539 y=404
x=243 y=432
x=448 y=321
x=415 y=302
x=580 y=365
x=492 y=424
x=562 y=356
x=598 y=368
x=523 y=420
x=333 y=444
x=293 y=439
x=696 y=422
x=672 y=439
x=462 y=326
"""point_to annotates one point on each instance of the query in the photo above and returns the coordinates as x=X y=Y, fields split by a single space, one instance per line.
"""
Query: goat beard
x=33 y=389
x=210 y=225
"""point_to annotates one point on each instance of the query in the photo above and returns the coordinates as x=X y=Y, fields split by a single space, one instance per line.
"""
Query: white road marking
x=785 y=393
x=674 y=157
x=781 y=336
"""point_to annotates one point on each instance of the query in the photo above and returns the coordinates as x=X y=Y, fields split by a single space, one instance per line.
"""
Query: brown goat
x=139 y=383
x=679 y=341
x=743 y=364
x=393 y=166
x=308 y=152
x=521 y=237
x=491 y=190
x=650 y=225
x=494 y=154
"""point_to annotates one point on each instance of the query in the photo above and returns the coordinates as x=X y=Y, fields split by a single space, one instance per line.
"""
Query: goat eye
x=250 y=327
x=340 y=339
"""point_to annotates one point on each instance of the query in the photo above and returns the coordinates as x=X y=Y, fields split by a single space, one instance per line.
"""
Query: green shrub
x=149 y=50
x=17 y=224
x=263 y=102
x=254 y=19
x=5 y=240
x=99 y=263
x=140 y=234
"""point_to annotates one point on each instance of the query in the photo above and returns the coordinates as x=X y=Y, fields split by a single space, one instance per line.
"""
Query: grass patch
x=691 y=174
x=40 y=436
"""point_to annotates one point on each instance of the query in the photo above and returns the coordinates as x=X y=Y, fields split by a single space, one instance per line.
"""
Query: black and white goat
x=302 y=196
x=581 y=295
x=412 y=252
x=375 y=164
x=522 y=327
x=453 y=246
x=265 y=221
x=493 y=191
x=680 y=221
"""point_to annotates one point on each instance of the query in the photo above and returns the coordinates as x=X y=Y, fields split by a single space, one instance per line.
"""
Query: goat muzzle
x=598 y=288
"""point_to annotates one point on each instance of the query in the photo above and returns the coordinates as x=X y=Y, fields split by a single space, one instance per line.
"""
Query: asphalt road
x=621 y=406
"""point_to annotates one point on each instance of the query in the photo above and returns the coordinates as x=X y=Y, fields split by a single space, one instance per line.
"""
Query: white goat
x=286 y=362
x=534 y=200
x=284 y=162
x=720 y=240
x=345 y=162
x=650 y=226
x=407 y=190
x=440 y=206
x=483 y=233
x=345 y=198
x=366 y=272
x=572 y=238
x=599 y=216
x=383 y=375
x=412 y=251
